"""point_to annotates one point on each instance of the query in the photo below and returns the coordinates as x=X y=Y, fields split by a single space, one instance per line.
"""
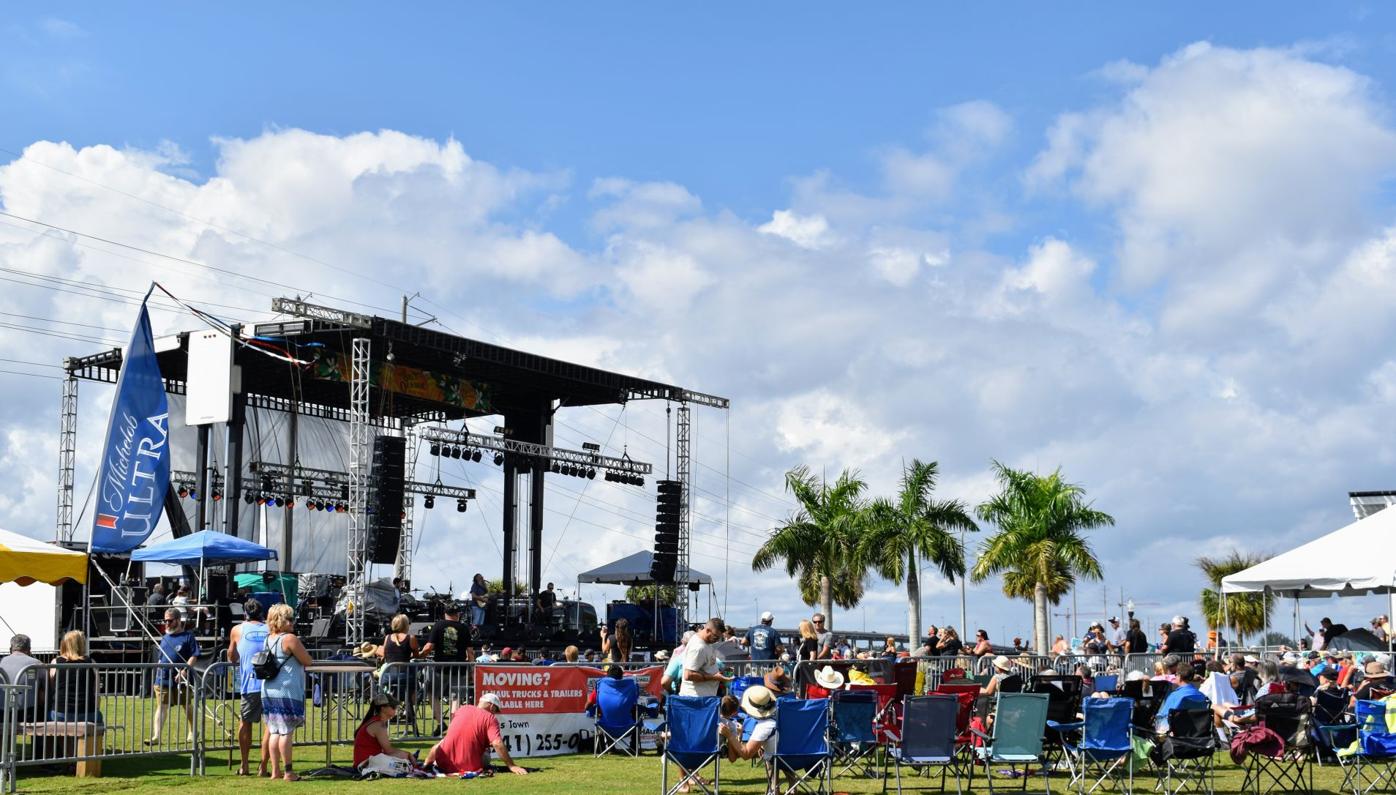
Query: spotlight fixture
x=457 y=453
x=475 y=456
x=290 y=502
x=556 y=468
x=193 y=494
x=460 y=505
x=183 y=492
x=310 y=505
x=591 y=474
x=261 y=499
x=609 y=476
x=248 y=497
x=436 y=448
x=274 y=502
x=499 y=459
x=341 y=508
x=429 y=501
x=217 y=495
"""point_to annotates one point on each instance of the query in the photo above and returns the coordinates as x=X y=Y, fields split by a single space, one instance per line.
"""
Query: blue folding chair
x=1106 y=683
x=1105 y=751
x=1373 y=766
x=617 y=726
x=928 y=734
x=802 y=746
x=853 y=742
x=691 y=741
x=738 y=686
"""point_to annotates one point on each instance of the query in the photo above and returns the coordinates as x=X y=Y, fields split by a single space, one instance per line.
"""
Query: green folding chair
x=1020 y=720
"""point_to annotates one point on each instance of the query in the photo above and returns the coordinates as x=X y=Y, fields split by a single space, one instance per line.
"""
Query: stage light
x=183 y=492
x=429 y=501
x=457 y=453
x=591 y=474
x=436 y=448
x=274 y=502
x=310 y=505
x=341 y=508
x=193 y=494
x=290 y=502
x=499 y=459
x=460 y=506
x=475 y=456
x=609 y=476
x=556 y=468
x=640 y=481
x=261 y=499
x=217 y=495
x=248 y=497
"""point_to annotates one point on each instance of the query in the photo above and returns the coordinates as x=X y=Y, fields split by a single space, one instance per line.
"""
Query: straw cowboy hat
x=366 y=650
x=758 y=702
x=829 y=678
x=1003 y=663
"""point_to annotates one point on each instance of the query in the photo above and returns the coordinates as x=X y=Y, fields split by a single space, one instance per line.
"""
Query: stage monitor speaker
x=385 y=498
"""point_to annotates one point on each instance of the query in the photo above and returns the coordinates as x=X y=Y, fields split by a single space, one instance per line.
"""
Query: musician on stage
x=479 y=597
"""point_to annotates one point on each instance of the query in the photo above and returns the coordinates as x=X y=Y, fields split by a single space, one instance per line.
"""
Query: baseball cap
x=1114 y=619
x=768 y=616
x=506 y=651
x=1251 y=658
x=491 y=698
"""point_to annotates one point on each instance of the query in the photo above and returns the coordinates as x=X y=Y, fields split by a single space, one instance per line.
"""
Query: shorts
x=170 y=695
x=450 y=682
x=250 y=708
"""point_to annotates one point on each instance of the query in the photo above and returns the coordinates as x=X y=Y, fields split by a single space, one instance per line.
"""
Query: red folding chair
x=888 y=720
x=968 y=696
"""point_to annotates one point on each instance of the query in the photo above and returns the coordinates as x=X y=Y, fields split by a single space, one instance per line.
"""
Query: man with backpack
x=244 y=641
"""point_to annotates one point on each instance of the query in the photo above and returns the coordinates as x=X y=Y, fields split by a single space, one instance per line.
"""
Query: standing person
x=473 y=731
x=1180 y=640
x=889 y=648
x=1379 y=628
x=950 y=645
x=808 y=649
x=673 y=672
x=982 y=646
x=245 y=640
x=446 y=645
x=701 y=676
x=826 y=637
x=761 y=640
x=543 y=606
x=398 y=649
x=1136 y=642
x=617 y=648
x=1116 y=638
x=479 y=597
x=178 y=650
x=16 y=669
x=73 y=682
x=283 y=695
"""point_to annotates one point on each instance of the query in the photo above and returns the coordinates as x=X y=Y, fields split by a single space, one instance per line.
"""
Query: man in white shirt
x=700 y=672
x=1117 y=635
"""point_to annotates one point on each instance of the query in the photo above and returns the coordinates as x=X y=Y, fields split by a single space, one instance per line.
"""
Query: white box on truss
x=209 y=386
x=30 y=610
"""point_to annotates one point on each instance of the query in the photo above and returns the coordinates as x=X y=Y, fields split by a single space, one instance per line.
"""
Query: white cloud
x=640 y=204
x=805 y=231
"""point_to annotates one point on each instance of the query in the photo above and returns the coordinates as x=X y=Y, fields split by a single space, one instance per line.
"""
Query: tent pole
x=1265 y=609
x=1226 y=620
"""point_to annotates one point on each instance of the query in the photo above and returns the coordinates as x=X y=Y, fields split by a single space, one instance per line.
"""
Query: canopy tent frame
x=634 y=570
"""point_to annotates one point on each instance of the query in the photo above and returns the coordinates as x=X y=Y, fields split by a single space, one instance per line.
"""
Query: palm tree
x=1246 y=613
x=819 y=542
x=1039 y=548
x=912 y=527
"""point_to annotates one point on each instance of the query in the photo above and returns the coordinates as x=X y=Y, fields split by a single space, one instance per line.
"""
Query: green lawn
x=555 y=775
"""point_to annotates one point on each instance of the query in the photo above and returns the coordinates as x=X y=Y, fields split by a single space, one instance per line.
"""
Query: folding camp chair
x=1105 y=752
x=802 y=747
x=928 y=739
x=1019 y=722
x=1063 y=693
x=1373 y=766
x=966 y=695
x=738 y=686
x=691 y=742
x=1185 y=756
x=1287 y=769
x=1333 y=728
x=1106 y=683
x=617 y=726
x=853 y=742
x=887 y=722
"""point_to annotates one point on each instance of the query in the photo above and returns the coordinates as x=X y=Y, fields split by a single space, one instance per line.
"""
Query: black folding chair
x=1185 y=756
x=1289 y=769
x=1063 y=693
x=927 y=739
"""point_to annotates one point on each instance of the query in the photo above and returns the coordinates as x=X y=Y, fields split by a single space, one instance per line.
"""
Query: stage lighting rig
x=435 y=449
x=460 y=506
x=429 y=501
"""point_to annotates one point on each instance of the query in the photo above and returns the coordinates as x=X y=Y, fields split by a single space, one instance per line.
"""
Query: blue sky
x=1148 y=244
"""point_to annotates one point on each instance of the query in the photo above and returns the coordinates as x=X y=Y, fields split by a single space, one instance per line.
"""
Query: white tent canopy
x=633 y=570
x=1354 y=560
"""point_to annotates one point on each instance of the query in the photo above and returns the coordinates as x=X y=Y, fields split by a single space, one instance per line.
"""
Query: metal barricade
x=12 y=699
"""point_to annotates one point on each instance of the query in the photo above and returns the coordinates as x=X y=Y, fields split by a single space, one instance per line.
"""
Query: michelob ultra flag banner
x=136 y=461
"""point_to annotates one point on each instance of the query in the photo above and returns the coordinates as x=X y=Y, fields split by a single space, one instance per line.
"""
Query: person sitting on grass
x=473 y=732
x=372 y=737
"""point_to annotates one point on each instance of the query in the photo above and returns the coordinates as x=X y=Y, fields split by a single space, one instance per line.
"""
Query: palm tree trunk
x=1039 y=618
x=826 y=601
x=913 y=600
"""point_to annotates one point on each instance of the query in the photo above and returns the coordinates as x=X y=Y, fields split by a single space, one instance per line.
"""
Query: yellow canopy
x=25 y=560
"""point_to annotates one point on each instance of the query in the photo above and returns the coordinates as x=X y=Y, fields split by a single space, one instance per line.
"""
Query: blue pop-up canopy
x=205 y=548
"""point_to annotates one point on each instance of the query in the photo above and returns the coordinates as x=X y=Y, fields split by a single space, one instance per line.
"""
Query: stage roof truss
x=331 y=482
x=502 y=444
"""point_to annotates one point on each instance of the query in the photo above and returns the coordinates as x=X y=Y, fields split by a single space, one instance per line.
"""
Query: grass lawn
x=562 y=774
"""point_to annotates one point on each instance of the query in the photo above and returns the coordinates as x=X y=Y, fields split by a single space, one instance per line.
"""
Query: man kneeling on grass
x=473 y=731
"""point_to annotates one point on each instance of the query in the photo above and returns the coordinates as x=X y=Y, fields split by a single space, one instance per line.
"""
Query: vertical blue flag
x=136 y=461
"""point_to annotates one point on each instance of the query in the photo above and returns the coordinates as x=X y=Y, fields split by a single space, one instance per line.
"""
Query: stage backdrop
x=545 y=706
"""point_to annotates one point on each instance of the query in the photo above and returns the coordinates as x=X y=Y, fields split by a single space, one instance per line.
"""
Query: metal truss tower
x=683 y=473
x=67 y=453
x=403 y=567
x=360 y=448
